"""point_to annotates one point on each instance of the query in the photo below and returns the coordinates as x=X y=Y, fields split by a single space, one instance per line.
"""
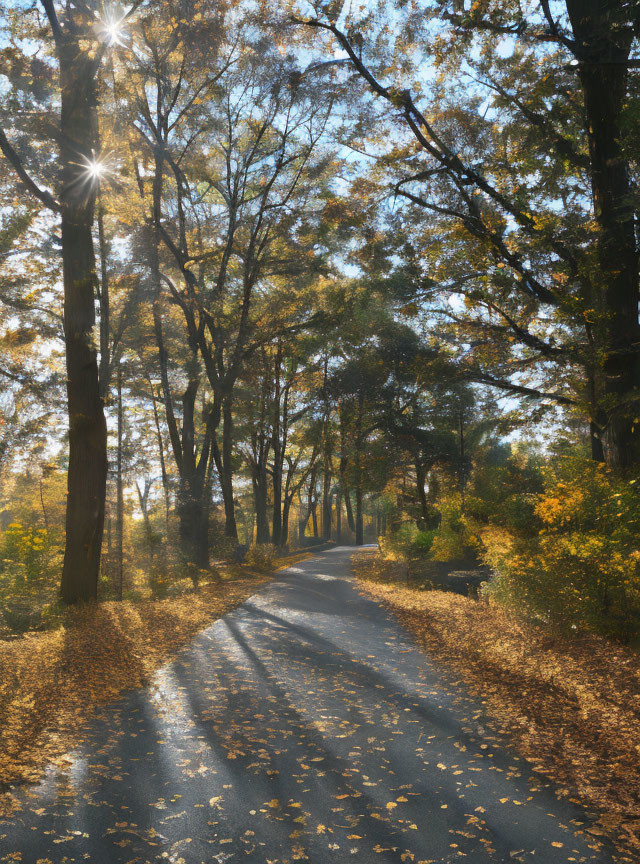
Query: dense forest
x=290 y=273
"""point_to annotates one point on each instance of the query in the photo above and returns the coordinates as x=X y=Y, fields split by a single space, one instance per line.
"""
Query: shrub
x=582 y=569
x=406 y=542
x=455 y=538
x=262 y=556
x=504 y=490
x=25 y=552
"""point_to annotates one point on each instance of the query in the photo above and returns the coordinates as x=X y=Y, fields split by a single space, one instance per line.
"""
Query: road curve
x=303 y=726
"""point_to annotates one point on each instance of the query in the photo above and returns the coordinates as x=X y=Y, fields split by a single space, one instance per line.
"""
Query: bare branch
x=12 y=157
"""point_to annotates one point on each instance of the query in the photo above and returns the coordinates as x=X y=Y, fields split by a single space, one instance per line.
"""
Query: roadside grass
x=570 y=705
x=51 y=681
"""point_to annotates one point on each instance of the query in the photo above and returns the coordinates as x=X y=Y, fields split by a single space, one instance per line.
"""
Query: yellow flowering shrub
x=581 y=569
x=455 y=538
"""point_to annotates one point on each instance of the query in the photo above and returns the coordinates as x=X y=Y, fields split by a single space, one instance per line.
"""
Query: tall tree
x=562 y=290
x=79 y=45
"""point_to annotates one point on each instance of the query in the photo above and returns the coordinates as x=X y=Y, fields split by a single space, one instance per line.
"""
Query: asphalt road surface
x=303 y=726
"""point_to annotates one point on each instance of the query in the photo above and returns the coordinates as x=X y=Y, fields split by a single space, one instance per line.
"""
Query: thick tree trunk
x=86 y=481
x=193 y=524
x=604 y=36
x=261 y=501
x=193 y=507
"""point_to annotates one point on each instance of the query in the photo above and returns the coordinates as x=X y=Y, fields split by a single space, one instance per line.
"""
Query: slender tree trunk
x=462 y=473
x=421 y=479
x=326 y=501
x=119 y=494
x=339 y=515
x=226 y=480
x=161 y=456
x=157 y=562
x=310 y=511
x=87 y=475
x=326 y=458
x=359 y=522
x=302 y=524
x=348 y=508
x=278 y=455
x=343 y=477
x=358 y=449
x=286 y=510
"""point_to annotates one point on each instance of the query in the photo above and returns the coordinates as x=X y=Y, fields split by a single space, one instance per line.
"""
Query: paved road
x=303 y=726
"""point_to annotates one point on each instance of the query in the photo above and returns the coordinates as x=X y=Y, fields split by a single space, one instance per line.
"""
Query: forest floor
x=570 y=704
x=52 y=681
x=304 y=725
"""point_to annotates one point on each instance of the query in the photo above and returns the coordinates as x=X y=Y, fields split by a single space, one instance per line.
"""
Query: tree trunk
x=119 y=494
x=193 y=524
x=358 y=449
x=163 y=464
x=421 y=478
x=193 y=510
x=286 y=510
x=359 y=523
x=226 y=479
x=604 y=44
x=349 y=508
x=87 y=475
x=462 y=471
x=326 y=500
x=278 y=455
x=260 y=497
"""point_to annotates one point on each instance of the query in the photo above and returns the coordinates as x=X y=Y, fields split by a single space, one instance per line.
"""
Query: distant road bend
x=303 y=726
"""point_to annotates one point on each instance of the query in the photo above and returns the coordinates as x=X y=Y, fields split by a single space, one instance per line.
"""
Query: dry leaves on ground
x=572 y=705
x=50 y=681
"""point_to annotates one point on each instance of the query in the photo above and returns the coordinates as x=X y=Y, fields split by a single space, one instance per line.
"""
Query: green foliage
x=504 y=490
x=406 y=542
x=581 y=570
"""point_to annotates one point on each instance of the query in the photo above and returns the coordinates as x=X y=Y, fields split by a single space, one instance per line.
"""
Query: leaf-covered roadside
x=572 y=706
x=51 y=681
